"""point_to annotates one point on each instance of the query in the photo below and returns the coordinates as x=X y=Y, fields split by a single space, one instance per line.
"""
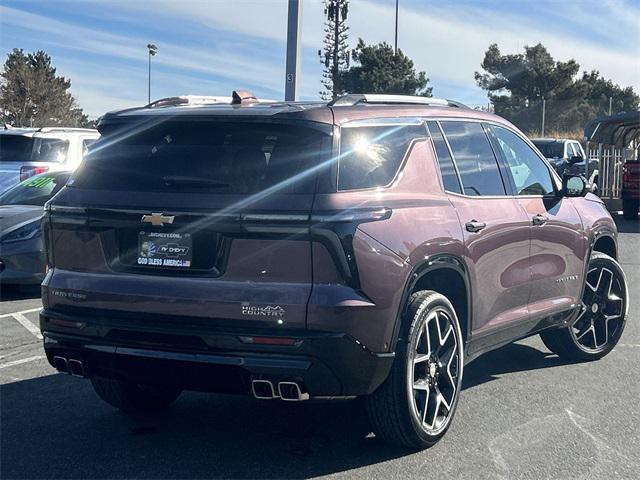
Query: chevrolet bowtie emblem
x=158 y=219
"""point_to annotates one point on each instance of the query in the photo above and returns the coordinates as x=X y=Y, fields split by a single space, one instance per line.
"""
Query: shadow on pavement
x=515 y=357
x=55 y=427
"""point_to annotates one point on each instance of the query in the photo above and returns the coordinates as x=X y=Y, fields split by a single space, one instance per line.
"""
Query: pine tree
x=32 y=95
x=335 y=55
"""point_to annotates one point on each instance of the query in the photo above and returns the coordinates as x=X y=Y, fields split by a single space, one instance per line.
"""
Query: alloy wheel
x=433 y=371
x=602 y=312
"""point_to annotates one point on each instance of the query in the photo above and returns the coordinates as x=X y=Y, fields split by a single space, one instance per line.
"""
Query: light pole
x=294 y=25
x=395 y=49
x=152 y=52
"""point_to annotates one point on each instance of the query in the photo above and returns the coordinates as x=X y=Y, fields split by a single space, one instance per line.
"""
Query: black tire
x=567 y=342
x=596 y=186
x=630 y=209
x=393 y=408
x=134 y=398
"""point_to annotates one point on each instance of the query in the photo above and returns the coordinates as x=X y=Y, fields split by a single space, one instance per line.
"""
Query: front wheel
x=416 y=403
x=602 y=317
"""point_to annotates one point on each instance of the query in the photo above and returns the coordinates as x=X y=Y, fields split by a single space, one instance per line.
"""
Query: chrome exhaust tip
x=60 y=363
x=290 y=392
x=76 y=368
x=263 y=389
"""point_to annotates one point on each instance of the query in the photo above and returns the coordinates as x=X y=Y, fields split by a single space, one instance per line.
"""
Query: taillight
x=26 y=172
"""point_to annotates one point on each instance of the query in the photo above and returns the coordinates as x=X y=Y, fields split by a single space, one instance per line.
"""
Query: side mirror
x=575 y=159
x=574 y=186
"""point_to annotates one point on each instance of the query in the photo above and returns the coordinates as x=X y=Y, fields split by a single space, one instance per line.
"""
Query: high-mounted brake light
x=26 y=172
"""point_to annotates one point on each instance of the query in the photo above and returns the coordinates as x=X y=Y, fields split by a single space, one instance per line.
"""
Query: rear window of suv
x=204 y=156
x=23 y=148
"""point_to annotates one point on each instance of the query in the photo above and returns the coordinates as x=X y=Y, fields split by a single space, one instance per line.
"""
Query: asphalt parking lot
x=523 y=414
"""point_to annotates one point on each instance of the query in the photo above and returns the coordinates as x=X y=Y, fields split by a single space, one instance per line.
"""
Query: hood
x=12 y=216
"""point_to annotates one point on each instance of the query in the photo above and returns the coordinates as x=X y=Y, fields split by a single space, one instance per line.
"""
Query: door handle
x=474 y=226
x=540 y=219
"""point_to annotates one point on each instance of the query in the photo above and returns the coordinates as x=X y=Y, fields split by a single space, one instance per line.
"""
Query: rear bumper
x=326 y=364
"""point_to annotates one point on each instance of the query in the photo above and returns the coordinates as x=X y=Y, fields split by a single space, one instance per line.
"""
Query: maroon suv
x=366 y=247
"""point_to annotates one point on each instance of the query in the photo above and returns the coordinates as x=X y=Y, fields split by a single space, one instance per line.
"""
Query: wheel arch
x=605 y=243
x=446 y=274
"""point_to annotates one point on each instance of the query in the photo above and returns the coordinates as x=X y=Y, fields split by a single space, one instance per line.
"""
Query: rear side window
x=474 y=158
x=204 y=156
x=447 y=169
x=371 y=156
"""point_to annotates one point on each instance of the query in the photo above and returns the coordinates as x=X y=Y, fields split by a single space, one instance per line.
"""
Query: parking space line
x=21 y=361
x=28 y=324
x=22 y=312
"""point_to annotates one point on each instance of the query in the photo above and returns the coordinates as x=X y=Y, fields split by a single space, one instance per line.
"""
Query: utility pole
x=544 y=106
x=610 y=105
x=152 y=53
x=395 y=47
x=294 y=26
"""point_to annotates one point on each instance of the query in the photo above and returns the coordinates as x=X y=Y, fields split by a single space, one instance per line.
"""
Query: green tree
x=517 y=84
x=379 y=69
x=32 y=95
x=335 y=54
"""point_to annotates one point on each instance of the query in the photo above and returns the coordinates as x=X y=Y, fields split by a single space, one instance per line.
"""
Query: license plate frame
x=166 y=250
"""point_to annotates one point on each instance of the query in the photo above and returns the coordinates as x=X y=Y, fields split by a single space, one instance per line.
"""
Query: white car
x=25 y=152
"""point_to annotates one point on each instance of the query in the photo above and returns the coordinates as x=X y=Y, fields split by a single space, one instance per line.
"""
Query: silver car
x=25 y=152
x=22 y=260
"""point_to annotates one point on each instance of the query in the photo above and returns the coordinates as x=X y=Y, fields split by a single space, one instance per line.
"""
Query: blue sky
x=212 y=47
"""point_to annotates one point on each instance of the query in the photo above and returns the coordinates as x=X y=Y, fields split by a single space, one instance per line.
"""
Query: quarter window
x=474 y=158
x=447 y=169
x=530 y=174
x=371 y=156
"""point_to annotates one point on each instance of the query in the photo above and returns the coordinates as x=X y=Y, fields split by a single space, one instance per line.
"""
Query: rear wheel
x=602 y=317
x=416 y=403
x=132 y=397
x=630 y=209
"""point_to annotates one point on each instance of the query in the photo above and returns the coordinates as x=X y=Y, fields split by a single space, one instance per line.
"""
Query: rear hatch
x=189 y=218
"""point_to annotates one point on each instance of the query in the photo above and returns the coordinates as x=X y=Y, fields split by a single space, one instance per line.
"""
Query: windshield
x=210 y=156
x=21 y=148
x=550 y=149
x=36 y=190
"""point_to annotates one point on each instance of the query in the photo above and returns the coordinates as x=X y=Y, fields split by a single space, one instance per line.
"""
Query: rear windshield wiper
x=195 y=181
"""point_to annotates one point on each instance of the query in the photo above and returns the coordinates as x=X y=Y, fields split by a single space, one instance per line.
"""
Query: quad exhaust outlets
x=71 y=366
x=268 y=390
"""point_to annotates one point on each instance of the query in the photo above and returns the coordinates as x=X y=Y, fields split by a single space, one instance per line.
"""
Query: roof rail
x=188 y=100
x=238 y=97
x=64 y=129
x=358 y=98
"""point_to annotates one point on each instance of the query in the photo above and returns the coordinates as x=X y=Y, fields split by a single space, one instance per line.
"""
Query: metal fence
x=609 y=172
